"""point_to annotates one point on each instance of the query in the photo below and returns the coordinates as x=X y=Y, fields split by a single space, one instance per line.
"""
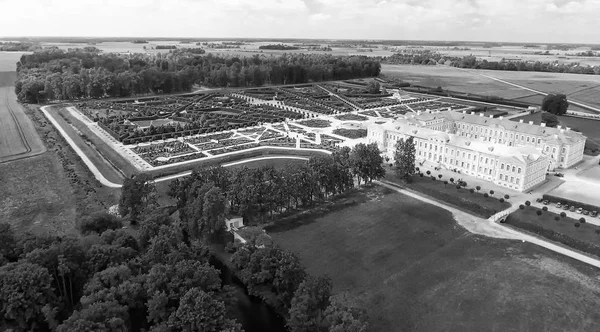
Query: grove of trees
x=54 y=74
x=404 y=158
x=555 y=103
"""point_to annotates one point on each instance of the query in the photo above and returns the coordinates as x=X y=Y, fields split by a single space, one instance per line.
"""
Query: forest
x=158 y=274
x=54 y=74
x=19 y=46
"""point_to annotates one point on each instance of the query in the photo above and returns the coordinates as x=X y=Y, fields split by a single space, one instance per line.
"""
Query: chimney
x=543 y=124
x=521 y=121
x=559 y=126
x=501 y=118
x=568 y=128
x=491 y=116
x=464 y=112
x=530 y=122
x=562 y=130
x=481 y=114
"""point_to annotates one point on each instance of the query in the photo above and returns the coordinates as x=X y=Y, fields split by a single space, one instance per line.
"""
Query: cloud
x=507 y=20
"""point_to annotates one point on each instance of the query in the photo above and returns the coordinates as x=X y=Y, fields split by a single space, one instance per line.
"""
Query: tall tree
x=404 y=158
x=367 y=162
x=309 y=304
x=555 y=103
x=342 y=318
x=138 y=195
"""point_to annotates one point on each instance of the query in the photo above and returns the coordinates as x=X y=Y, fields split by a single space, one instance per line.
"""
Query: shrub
x=478 y=188
x=472 y=190
x=417 y=169
x=463 y=183
x=539 y=212
x=491 y=192
x=528 y=203
x=521 y=206
x=501 y=200
x=98 y=223
x=428 y=172
x=598 y=232
x=440 y=176
x=562 y=214
x=557 y=218
x=457 y=186
x=545 y=208
x=582 y=220
x=506 y=197
x=421 y=174
x=577 y=224
x=433 y=178
x=445 y=183
x=486 y=195
x=452 y=180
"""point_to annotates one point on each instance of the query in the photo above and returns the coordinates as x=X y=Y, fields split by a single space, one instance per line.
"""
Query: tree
x=373 y=87
x=342 y=318
x=555 y=103
x=492 y=192
x=308 y=306
x=8 y=241
x=137 y=194
x=440 y=176
x=26 y=296
x=521 y=206
x=563 y=214
x=99 y=316
x=213 y=212
x=539 y=212
x=577 y=225
x=557 y=218
x=501 y=200
x=550 y=119
x=199 y=311
x=478 y=188
x=405 y=158
x=545 y=208
x=472 y=190
x=485 y=195
x=506 y=196
x=451 y=180
x=445 y=183
x=98 y=223
x=528 y=203
x=582 y=220
x=367 y=162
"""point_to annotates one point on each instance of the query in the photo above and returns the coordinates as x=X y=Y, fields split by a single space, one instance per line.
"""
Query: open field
x=468 y=81
x=36 y=194
x=8 y=61
x=414 y=269
x=462 y=199
x=18 y=138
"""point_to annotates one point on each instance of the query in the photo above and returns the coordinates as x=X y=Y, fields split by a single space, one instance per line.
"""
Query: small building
x=234 y=223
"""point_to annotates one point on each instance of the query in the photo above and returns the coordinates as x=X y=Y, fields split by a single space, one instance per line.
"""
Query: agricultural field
x=470 y=82
x=8 y=61
x=18 y=138
x=415 y=269
x=589 y=128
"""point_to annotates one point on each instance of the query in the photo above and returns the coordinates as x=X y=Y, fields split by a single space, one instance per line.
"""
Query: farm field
x=8 y=61
x=35 y=195
x=415 y=269
x=468 y=81
x=18 y=138
x=589 y=128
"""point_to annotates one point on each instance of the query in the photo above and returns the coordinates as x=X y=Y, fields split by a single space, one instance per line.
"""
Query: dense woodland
x=428 y=57
x=19 y=47
x=158 y=276
x=53 y=74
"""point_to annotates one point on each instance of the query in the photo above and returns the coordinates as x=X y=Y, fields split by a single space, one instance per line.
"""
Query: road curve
x=489 y=228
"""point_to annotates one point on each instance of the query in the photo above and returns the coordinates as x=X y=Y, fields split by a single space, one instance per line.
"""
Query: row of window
x=505 y=178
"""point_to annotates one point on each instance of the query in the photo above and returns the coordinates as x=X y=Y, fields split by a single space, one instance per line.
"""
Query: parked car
x=586 y=212
x=580 y=210
x=539 y=200
x=546 y=202
x=560 y=175
x=558 y=205
x=572 y=209
x=594 y=213
x=565 y=207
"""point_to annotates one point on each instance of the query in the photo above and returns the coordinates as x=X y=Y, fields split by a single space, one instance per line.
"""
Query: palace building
x=511 y=154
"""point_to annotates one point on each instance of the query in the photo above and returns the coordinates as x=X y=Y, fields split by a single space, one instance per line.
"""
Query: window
x=512 y=179
x=527 y=139
x=502 y=166
x=486 y=160
x=513 y=169
x=425 y=145
x=562 y=159
x=479 y=169
x=445 y=159
x=518 y=181
x=505 y=177
x=462 y=164
x=485 y=170
x=468 y=165
x=519 y=170
x=463 y=154
x=539 y=140
x=469 y=156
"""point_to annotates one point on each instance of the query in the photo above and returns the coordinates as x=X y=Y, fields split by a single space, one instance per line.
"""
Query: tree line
x=54 y=74
x=428 y=57
x=159 y=277
x=19 y=46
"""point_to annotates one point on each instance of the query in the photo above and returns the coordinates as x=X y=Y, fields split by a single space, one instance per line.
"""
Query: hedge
x=556 y=199
x=554 y=236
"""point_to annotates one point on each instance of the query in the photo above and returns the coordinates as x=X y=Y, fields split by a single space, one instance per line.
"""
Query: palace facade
x=511 y=154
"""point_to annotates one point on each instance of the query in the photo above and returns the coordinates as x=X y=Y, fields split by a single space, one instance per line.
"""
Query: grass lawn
x=586 y=232
x=414 y=269
x=36 y=194
x=462 y=199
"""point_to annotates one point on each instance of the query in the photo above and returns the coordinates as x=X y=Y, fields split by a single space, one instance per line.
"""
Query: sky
x=555 y=21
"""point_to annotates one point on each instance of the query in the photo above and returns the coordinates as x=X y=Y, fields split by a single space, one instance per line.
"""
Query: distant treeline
x=140 y=41
x=19 y=47
x=166 y=47
x=280 y=47
x=55 y=74
x=427 y=57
